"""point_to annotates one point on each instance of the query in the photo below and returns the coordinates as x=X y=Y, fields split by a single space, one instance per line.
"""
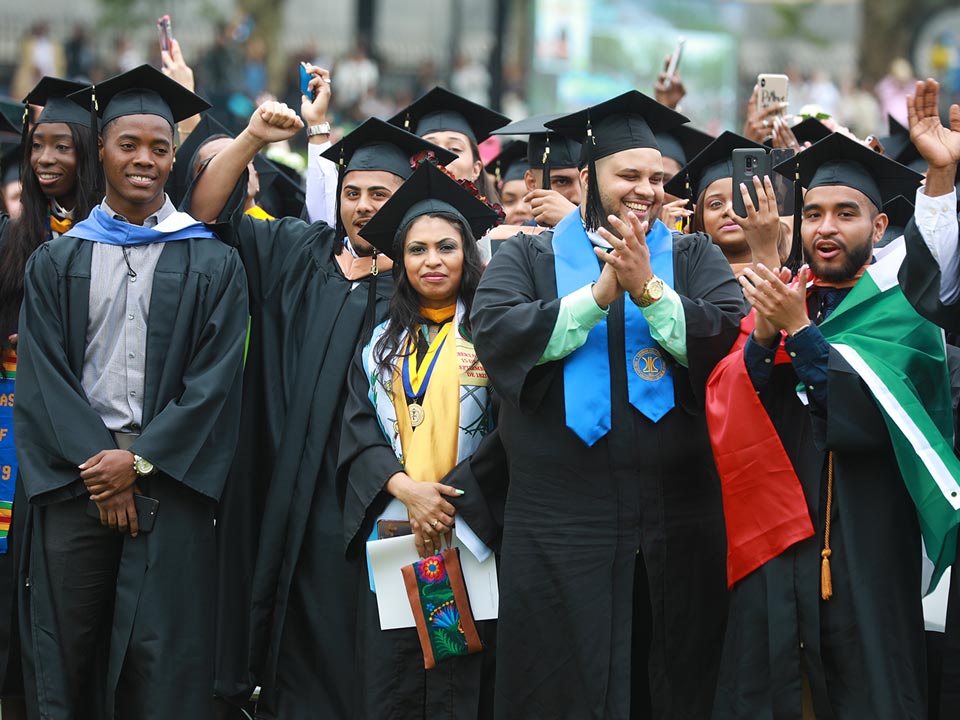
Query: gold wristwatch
x=652 y=292
x=142 y=466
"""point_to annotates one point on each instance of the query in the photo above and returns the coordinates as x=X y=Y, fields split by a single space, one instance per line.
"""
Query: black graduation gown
x=392 y=682
x=281 y=527
x=11 y=680
x=862 y=650
x=920 y=281
x=162 y=636
x=612 y=591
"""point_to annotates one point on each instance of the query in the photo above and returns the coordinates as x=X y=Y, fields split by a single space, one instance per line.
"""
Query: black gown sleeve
x=178 y=438
x=920 y=282
x=713 y=305
x=513 y=317
x=366 y=461
x=54 y=426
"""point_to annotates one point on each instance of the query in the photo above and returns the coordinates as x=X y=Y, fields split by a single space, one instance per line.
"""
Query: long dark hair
x=32 y=229
x=404 y=314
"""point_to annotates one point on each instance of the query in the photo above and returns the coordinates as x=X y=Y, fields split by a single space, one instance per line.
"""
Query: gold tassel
x=374 y=270
x=826 y=579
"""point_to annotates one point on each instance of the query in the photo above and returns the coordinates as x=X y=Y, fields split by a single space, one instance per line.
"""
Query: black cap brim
x=510 y=163
x=440 y=109
x=710 y=164
x=839 y=161
x=429 y=190
x=10 y=163
x=145 y=91
x=564 y=152
x=379 y=146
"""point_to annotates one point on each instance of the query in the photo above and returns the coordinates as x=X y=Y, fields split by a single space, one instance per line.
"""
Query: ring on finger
x=766 y=123
x=434 y=524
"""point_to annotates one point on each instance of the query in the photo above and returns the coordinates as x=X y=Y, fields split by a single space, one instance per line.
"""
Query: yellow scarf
x=431 y=451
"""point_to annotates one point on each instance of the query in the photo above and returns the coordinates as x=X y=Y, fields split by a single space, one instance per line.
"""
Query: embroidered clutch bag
x=441 y=608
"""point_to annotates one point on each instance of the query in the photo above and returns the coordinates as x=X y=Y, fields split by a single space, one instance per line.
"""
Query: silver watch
x=321 y=129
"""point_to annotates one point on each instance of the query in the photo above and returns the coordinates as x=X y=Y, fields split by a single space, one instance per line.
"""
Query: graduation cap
x=441 y=109
x=810 y=130
x=898 y=146
x=281 y=188
x=682 y=143
x=11 y=115
x=51 y=93
x=510 y=164
x=839 y=161
x=899 y=210
x=712 y=163
x=429 y=190
x=625 y=122
x=546 y=149
x=377 y=145
x=142 y=91
x=10 y=164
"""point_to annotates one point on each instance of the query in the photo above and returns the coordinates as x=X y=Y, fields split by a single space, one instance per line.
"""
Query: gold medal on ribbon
x=416 y=414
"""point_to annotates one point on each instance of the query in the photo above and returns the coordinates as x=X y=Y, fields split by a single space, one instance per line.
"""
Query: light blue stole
x=586 y=371
x=100 y=227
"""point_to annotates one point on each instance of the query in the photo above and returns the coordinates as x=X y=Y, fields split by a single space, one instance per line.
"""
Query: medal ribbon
x=415 y=385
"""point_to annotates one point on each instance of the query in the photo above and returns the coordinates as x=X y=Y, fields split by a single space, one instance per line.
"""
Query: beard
x=852 y=260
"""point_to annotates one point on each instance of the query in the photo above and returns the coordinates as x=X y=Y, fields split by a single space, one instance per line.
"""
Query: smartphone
x=772 y=91
x=305 y=79
x=166 y=34
x=747 y=164
x=146 y=511
x=782 y=185
x=674 y=62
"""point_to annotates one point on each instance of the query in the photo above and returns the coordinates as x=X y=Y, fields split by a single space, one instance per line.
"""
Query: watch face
x=655 y=289
x=143 y=467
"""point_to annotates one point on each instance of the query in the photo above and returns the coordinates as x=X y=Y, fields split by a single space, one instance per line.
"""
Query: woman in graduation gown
x=59 y=187
x=419 y=403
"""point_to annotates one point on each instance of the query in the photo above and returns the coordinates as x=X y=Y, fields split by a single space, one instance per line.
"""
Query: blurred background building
x=853 y=58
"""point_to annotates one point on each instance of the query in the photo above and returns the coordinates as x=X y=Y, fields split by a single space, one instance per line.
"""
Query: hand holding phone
x=674 y=63
x=305 y=78
x=772 y=93
x=747 y=164
x=165 y=32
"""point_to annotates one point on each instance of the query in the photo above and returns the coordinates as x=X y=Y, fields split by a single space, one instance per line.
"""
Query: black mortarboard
x=8 y=126
x=281 y=188
x=546 y=148
x=441 y=109
x=682 y=143
x=625 y=122
x=144 y=91
x=898 y=146
x=838 y=160
x=10 y=164
x=710 y=164
x=377 y=145
x=899 y=210
x=11 y=115
x=510 y=163
x=51 y=93
x=429 y=190
x=810 y=130
x=182 y=174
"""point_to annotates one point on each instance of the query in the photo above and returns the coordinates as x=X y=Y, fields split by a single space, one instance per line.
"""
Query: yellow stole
x=259 y=213
x=430 y=452
x=60 y=226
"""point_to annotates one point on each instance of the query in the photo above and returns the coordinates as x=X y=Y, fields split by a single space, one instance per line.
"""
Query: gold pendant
x=416 y=414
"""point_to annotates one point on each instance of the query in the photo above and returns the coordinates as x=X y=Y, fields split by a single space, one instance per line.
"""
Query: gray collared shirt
x=114 y=364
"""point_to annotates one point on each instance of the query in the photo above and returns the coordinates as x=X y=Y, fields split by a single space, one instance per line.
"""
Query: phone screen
x=782 y=186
